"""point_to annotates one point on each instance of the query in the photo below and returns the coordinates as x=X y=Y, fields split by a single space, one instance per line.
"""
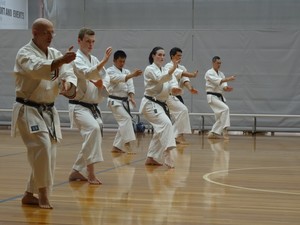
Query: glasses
x=49 y=33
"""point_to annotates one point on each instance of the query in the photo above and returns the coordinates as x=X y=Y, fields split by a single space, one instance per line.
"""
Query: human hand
x=176 y=91
x=132 y=102
x=193 y=91
x=195 y=74
x=137 y=72
x=69 y=56
x=108 y=53
x=175 y=64
x=228 y=88
x=65 y=87
x=231 y=78
x=98 y=83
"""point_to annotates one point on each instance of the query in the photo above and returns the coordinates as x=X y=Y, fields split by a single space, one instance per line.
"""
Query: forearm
x=57 y=63
x=64 y=59
x=129 y=76
x=168 y=76
x=226 y=79
x=188 y=85
x=70 y=92
x=188 y=74
x=101 y=65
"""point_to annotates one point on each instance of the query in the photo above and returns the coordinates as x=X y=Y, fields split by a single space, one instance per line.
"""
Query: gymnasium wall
x=257 y=40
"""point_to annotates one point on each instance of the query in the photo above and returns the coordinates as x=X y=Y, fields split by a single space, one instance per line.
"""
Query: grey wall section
x=260 y=45
x=168 y=14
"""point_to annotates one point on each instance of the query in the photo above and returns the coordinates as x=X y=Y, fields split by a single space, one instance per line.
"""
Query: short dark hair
x=174 y=51
x=215 y=58
x=119 y=54
x=83 y=31
x=153 y=52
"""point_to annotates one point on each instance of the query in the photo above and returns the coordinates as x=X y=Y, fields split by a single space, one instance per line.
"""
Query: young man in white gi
x=216 y=84
x=155 y=110
x=121 y=100
x=84 y=111
x=41 y=72
x=179 y=112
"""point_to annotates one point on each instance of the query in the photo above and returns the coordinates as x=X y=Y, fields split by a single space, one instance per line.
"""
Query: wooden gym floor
x=244 y=181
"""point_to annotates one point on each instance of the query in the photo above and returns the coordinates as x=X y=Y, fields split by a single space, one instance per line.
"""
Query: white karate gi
x=220 y=108
x=158 y=87
x=36 y=83
x=179 y=112
x=118 y=87
x=82 y=117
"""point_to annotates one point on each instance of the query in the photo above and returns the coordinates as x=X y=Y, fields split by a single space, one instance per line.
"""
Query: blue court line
x=66 y=182
x=12 y=154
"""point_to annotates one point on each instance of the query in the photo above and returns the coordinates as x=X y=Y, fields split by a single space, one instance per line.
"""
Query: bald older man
x=41 y=73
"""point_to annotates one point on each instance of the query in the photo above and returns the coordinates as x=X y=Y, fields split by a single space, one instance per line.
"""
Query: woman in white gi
x=216 y=84
x=39 y=69
x=179 y=112
x=121 y=100
x=154 y=109
x=84 y=111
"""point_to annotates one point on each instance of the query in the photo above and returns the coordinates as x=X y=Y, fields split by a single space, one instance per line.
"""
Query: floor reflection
x=166 y=204
x=96 y=206
x=125 y=174
x=220 y=162
x=34 y=215
x=87 y=202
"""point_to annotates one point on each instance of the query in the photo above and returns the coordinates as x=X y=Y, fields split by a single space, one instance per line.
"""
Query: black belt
x=125 y=102
x=45 y=110
x=39 y=106
x=216 y=94
x=162 y=104
x=180 y=98
x=118 y=98
x=93 y=107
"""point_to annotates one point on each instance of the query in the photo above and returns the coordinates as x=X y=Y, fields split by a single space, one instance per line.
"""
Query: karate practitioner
x=41 y=72
x=216 y=84
x=179 y=112
x=121 y=100
x=154 y=108
x=84 y=111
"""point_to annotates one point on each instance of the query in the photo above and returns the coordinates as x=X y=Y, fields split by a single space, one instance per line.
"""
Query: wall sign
x=13 y=14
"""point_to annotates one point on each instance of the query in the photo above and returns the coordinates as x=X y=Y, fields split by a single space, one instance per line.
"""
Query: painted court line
x=208 y=179
x=66 y=182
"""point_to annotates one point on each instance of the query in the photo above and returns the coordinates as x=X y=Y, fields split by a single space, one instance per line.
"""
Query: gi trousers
x=163 y=137
x=90 y=130
x=180 y=116
x=41 y=155
x=222 y=115
x=125 y=131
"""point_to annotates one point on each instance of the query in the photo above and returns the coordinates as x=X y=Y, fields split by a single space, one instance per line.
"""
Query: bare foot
x=43 y=199
x=29 y=199
x=92 y=179
x=76 y=176
x=117 y=150
x=151 y=162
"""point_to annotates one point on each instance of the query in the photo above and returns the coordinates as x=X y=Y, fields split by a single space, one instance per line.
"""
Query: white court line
x=206 y=177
